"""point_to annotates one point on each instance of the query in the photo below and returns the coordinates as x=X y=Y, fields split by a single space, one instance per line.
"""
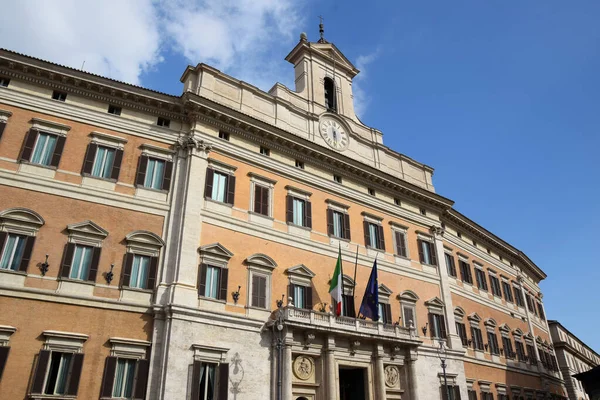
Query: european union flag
x=370 y=304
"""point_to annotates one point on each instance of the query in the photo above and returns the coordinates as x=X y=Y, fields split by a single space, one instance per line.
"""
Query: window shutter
x=116 y=167
x=444 y=391
x=28 y=144
x=401 y=244
x=262 y=292
x=290 y=294
x=257 y=199
x=289 y=209
x=208 y=185
x=4 y=350
x=142 y=379
x=387 y=309
x=381 y=239
x=408 y=316
x=223 y=284
x=347 y=226
x=350 y=306
x=230 y=189
x=420 y=246
x=90 y=155
x=367 y=234
x=197 y=366
x=223 y=381
x=141 y=172
x=202 y=279
x=3 y=236
x=152 y=273
x=94 y=264
x=443 y=326
x=67 y=260
x=58 y=149
x=456 y=393
x=431 y=330
x=40 y=372
x=329 y=221
x=433 y=254
x=255 y=283
x=307 y=214
x=29 y=241
x=308 y=303
x=108 y=378
x=265 y=201
x=166 y=182
x=2 y=126
x=127 y=268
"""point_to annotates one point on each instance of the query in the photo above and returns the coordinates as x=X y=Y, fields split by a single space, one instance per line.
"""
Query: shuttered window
x=461 y=329
x=261 y=199
x=476 y=338
x=450 y=265
x=518 y=296
x=374 y=235
x=450 y=392
x=298 y=211
x=80 y=262
x=15 y=251
x=42 y=148
x=531 y=354
x=507 y=292
x=520 y=350
x=481 y=281
x=57 y=373
x=102 y=162
x=212 y=282
x=408 y=316
x=301 y=296
x=400 y=243
x=153 y=173
x=495 y=284
x=427 y=254
x=140 y=271
x=465 y=272
x=210 y=381
x=124 y=378
x=259 y=291
x=385 y=313
x=508 y=348
x=493 y=343
x=437 y=324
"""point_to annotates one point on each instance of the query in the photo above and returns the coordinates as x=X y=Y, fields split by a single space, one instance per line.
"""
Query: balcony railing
x=350 y=325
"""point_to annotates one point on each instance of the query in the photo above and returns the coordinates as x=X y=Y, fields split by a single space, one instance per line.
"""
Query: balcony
x=325 y=322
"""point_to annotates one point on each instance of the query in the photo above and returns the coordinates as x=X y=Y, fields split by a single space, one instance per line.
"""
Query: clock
x=333 y=133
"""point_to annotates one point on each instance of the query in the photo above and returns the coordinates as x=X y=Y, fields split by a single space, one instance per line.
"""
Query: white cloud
x=361 y=98
x=118 y=40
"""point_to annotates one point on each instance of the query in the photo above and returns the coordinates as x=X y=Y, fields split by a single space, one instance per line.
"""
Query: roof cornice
x=85 y=84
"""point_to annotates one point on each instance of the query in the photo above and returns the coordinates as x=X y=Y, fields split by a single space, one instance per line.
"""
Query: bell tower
x=323 y=76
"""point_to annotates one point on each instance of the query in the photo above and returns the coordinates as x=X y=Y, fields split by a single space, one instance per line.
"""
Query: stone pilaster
x=413 y=386
x=454 y=341
x=287 y=368
x=331 y=373
x=529 y=323
x=379 y=373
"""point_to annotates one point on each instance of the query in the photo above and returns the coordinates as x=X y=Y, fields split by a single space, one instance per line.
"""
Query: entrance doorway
x=352 y=383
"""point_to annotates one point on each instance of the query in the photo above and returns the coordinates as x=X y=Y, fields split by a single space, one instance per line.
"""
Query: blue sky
x=500 y=97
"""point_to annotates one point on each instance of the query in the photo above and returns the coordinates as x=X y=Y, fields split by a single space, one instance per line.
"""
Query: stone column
x=379 y=373
x=287 y=367
x=529 y=323
x=454 y=341
x=413 y=387
x=180 y=272
x=330 y=370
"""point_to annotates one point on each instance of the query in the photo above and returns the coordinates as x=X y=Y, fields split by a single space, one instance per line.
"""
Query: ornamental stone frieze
x=304 y=367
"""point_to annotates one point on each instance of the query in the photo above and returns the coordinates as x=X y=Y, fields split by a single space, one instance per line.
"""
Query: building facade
x=574 y=357
x=181 y=247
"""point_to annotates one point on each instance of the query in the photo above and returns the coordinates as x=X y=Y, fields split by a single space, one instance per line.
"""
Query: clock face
x=333 y=133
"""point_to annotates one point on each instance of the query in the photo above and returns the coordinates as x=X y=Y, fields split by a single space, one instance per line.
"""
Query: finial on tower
x=321 y=31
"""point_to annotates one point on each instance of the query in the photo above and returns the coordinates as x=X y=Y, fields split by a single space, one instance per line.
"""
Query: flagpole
x=355 y=266
x=341 y=274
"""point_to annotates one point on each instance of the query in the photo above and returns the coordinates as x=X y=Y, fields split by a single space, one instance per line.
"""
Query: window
x=213 y=282
x=299 y=164
x=487 y=395
x=507 y=292
x=60 y=96
x=423 y=211
x=385 y=313
x=301 y=295
x=461 y=329
x=164 y=122
x=80 y=262
x=58 y=372
x=529 y=302
x=452 y=390
x=265 y=151
x=465 y=271
x=400 y=241
x=261 y=199
x=337 y=178
x=518 y=296
x=427 y=254
x=450 y=264
x=338 y=224
x=223 y=135
x=476 y=338
x=42 y=148
x=139 y=271
x=374 y=235
x=259 y=291
x=541 y=311
x=299 y=211
x=114 y=110
x=209 y=380
x=154 y=173
x=371 y=191
x=495 y=283
x=520 y=350
x=493 y=343
x=508 y=349
x=472 y=394
x=397 y=201
x=459 y=235
x=481 y=282
x=348 y=309
x=408 y=302
x=141 y=261
x=220 y=186
x=124 y=377
x=330 y=100
x=4 y=82
x=12 y=250
x=437 y=324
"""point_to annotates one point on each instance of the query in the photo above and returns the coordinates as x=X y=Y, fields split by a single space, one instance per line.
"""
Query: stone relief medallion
x=304 y=367
x=392 y=376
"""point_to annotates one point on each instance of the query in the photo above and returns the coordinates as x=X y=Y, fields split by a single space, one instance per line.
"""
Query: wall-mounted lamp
x=469 y=342
x=236 y=295
x=322 y=307
x=486 y=346
x=44 y=266
x=280 y=302
x=110 y=275
x=424 y=329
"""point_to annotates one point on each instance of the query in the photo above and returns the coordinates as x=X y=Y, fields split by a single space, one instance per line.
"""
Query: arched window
x=330 y=102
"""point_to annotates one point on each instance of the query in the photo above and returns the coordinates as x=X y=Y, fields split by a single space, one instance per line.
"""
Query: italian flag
x=336 y=287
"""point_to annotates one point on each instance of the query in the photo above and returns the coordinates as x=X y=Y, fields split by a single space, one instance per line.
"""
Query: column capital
x=189 y=144
x=437 y=231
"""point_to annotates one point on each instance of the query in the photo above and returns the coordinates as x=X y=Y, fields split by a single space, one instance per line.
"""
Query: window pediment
x=144 y=242
x=518 y=332
x=505 y=328
x=87 y=232
x=261 y=261
x=434 y=303
x=20 y=220
x=215 y=253
x=475 y=318
x=64 y=341
x=384 y=290
x=490 y=322
x=459 y=313
x=408 y=296
x=300 y=274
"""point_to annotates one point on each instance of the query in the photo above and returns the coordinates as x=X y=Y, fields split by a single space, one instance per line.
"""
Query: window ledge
x=261 y=215
x=140 y=290
x=98 y=183
x=331 y=236
x=219 y=202
x=375 y=249
x=11 y=271
x=201 y=297
x=51 y=396
x=86 y=175
x=151 y=189
x=77 y=281
x=306 y=228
